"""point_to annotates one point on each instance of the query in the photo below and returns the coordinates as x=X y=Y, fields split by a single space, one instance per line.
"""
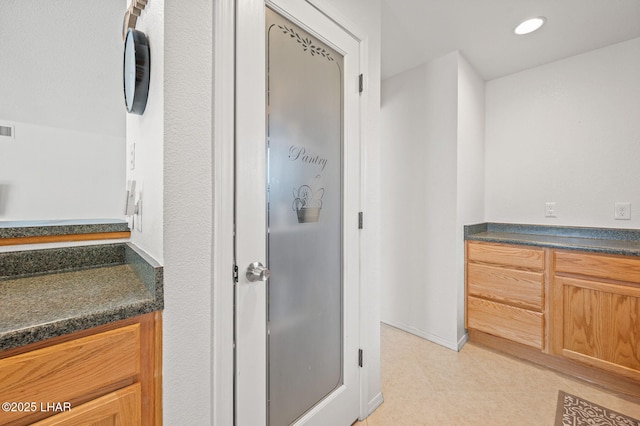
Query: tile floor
x=426 y=384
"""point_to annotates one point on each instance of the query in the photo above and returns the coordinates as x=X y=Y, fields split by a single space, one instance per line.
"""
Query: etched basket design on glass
x=307 y=204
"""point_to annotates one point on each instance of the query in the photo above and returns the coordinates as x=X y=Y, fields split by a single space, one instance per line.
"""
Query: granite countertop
x=597 y=240
x=48 y=293
x=31 y=228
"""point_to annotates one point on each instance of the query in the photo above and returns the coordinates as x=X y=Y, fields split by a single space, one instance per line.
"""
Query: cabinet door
x=119 y=408
x=601 y=325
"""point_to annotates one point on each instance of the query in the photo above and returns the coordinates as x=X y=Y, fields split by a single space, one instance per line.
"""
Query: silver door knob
x=257 y=272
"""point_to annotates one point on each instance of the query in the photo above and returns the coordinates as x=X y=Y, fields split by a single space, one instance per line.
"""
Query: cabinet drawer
x=517 y=324
x=71 y=371
x=499 y=254
x=514 y=287
x=599 y=266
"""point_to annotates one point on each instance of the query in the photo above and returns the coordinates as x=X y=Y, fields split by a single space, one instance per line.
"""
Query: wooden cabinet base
x=92 y=377
x=610 y=381
x=577 y=312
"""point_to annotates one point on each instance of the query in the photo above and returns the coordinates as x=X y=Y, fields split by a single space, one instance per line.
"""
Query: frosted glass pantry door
x=304 y=205
x=297 y=201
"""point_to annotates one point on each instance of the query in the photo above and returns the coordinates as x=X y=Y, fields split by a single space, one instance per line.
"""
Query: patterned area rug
x=575 y=411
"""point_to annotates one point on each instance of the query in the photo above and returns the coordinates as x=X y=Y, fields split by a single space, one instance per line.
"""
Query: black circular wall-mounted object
x=136 y=71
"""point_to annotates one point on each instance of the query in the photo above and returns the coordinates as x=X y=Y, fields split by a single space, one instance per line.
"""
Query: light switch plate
x=138 y=216
x=129 y=207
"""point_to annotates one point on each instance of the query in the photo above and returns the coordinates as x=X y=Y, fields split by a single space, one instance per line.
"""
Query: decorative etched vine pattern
x=307 y=43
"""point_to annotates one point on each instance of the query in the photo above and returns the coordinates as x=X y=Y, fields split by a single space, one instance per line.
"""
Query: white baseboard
x=453 y=345
x=463 y=340
x=374 y=403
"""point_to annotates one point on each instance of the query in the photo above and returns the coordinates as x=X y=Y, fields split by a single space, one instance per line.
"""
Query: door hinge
x=360 y=220
x=235 y=273
x=361 y=83
x=360 y=357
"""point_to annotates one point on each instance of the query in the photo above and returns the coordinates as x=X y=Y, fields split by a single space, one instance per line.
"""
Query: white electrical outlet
x=550 y=209
x=622 y=211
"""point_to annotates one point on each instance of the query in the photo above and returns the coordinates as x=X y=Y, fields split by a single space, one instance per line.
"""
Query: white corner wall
x=567 y=132
x=433 y=184
x=61 y=89
x=470 y=169
x=187 y=209
x=174 y=164
x=145 y=135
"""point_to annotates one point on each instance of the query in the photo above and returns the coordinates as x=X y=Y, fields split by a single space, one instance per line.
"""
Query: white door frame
x=224 y=17
x=222 y=409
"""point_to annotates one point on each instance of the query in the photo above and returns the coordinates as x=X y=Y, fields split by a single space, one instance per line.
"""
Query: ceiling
x=417 y=31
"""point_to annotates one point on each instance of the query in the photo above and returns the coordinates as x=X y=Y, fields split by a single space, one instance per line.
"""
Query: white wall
x=403 y=210
x=567 y=132
x=51 y=173
x=62 y=90
x=173 y=161
x=470 y=168
x=432 y=145
x=187 y=209
x=145 y=133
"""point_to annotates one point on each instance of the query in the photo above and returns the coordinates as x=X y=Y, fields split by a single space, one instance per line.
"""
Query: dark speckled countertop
x=597 y=240
x=48 y=293
x=31 y=228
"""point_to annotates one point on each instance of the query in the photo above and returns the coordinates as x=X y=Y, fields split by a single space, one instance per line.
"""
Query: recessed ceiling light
x=530 y=25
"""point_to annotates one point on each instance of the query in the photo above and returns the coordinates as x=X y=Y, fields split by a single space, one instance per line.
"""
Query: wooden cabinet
x=575 y=311
x=106 y=375
x=505 y=292
x=597 y=310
